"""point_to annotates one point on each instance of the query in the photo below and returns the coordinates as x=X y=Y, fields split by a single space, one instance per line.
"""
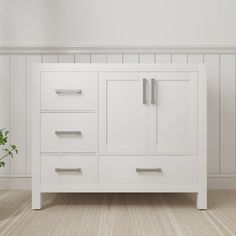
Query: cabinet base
x=201 y=196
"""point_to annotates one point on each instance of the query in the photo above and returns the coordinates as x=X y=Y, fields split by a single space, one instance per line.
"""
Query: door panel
x=122 y=114
x=172 y=118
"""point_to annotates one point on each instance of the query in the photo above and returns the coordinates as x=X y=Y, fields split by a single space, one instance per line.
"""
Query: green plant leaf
x=2 y=163
x=6 y=151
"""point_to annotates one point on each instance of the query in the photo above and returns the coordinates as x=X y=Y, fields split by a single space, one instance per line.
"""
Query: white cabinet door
x=123 y=113
x=173 y=123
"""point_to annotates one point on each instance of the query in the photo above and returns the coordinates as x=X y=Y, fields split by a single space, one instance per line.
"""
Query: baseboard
x=222 y=182
x=24 y=182
x=15 y=182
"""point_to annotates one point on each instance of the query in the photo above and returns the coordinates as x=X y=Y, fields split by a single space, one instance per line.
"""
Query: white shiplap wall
x=15 y=75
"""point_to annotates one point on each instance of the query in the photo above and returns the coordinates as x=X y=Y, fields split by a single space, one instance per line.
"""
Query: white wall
x=76 y=22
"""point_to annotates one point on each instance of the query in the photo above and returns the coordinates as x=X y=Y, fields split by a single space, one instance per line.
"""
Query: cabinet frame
x=35 y=125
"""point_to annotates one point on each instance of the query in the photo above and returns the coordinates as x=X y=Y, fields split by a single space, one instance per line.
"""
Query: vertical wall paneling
x=66 y=59
x=130 y=58
x=114 y=58
x=18 y=112
x=30 y=59
x=4 y=102
x=50 y=59
x=163 y=58
x=213 y=112
x=196 y=58
x=212 y=62
x=179 y=58
x=147 y=58
x=82 y=58
x=227 y=114
x=98 y=58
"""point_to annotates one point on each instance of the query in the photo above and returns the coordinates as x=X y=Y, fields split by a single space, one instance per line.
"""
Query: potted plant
x=7 y=151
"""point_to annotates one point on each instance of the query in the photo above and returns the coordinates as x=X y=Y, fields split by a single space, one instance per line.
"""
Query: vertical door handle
x=144 y=81
x=152 y=91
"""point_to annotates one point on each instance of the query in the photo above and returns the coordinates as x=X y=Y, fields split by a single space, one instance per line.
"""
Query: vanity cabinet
x=119 y=128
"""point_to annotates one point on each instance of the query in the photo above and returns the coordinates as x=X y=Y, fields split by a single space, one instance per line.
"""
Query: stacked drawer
x=69 y=128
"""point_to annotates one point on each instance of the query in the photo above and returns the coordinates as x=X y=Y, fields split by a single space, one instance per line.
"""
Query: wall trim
x=15 y=182
x=215 y=182
x=222 y=182
x=118 y=49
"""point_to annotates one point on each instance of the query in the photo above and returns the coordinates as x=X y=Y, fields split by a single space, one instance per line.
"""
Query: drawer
x=69 y=90
x=148 y=170
x=69 y=170
x=68 y=132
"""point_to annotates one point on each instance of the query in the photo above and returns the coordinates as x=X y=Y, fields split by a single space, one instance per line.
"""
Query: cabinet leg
x=202 y=200
x=36 y=200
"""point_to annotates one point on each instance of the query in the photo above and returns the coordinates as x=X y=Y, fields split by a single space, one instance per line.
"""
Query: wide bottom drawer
x=148 y=170
x=69 y=170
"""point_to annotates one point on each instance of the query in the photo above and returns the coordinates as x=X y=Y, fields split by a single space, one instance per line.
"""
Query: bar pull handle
x=76 y=132
x=68 y=91
x=70 y=170
x=144 y=84
x=141 y=170
x=152 y=91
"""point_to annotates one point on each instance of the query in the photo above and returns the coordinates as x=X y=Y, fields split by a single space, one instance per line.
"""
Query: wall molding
x=215 y=182
x=15 y=182
x=117 y=49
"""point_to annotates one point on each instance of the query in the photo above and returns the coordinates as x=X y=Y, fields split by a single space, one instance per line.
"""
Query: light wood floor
x=117 y=214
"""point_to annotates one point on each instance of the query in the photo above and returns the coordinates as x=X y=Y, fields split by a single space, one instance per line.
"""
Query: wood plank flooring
x=117 y=214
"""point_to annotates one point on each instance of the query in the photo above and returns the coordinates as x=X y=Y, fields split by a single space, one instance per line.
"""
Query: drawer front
x=69 y=170
x=68 y=132
x=148 y=170
x=69 y=91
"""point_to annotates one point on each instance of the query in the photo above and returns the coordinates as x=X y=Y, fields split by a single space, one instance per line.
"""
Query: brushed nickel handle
x=152 y=91
x=61 y=170
x=144 y=81
x=76 y=132
x=68 y=91
x=139 y=170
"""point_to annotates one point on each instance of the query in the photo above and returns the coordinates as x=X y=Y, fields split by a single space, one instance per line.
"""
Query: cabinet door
x=122 y=113
x=173 y=113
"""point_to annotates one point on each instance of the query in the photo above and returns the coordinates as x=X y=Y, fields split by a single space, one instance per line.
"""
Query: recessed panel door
x=173 y=113
x=123 y=112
